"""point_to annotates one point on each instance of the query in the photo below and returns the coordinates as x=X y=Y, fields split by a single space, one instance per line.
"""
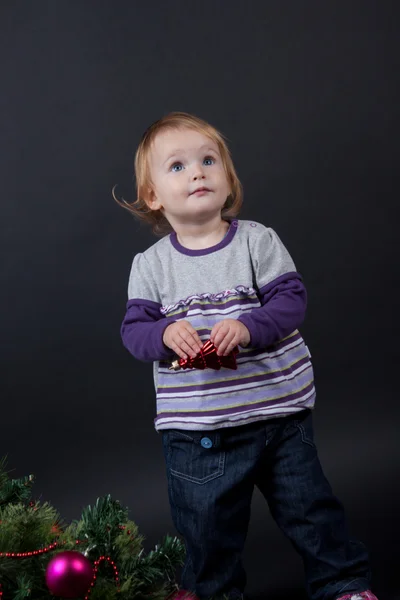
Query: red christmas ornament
x=207 y=358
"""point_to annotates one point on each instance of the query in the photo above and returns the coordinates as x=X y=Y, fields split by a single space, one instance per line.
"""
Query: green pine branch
x=13 y=490
x=24 y=587
x=27 y=528
x=104 y=529
x=100 y=524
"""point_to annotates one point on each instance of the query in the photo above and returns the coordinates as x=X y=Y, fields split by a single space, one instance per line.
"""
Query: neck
x=195 y=236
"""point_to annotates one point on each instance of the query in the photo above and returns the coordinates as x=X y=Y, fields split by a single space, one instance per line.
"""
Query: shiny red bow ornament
x=207 y=358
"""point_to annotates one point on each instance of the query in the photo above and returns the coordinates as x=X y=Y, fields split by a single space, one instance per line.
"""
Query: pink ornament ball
x=182 y=595
x=69 y=574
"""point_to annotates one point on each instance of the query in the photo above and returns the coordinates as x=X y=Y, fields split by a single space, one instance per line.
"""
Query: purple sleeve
x=284 y=303
x=142 y=331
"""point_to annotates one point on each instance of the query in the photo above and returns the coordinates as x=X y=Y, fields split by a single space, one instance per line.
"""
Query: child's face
x=181 y=163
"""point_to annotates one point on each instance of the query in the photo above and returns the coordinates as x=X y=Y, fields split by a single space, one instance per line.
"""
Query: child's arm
x=284 y=303
x=142 y=331
x=280 y=288
x=143 y=326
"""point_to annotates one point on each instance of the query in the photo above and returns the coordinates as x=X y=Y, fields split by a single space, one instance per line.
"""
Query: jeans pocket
x=193 y=456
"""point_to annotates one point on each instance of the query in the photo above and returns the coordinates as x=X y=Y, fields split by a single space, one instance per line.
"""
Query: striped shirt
x=248 y=276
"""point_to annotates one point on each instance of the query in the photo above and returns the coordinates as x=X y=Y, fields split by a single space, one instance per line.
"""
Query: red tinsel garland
x=96 y=568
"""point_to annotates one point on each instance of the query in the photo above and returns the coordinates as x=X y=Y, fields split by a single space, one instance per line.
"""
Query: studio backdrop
x=307 y=95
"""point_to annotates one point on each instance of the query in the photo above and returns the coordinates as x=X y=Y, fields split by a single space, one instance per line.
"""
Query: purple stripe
x=204 y=332
x=217 y=400
x=251 y=300
x=252 y=418
x=254 y=361
x=255 y=352
x=264 y=377
x=241 y=407
x=276 y=347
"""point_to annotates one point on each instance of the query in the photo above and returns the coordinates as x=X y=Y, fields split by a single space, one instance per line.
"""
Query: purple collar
x=224 y=242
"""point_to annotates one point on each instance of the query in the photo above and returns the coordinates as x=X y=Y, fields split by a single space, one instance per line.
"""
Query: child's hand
x=227 y=334
x=183 y=339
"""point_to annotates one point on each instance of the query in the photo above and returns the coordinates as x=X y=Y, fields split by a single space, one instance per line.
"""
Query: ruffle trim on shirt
x=238 y=290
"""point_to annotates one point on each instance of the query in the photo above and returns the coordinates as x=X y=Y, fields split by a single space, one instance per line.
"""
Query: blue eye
x=209 y=160
x=177 y=164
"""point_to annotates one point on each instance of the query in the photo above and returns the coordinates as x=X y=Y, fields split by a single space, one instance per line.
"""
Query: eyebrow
x=180 y=150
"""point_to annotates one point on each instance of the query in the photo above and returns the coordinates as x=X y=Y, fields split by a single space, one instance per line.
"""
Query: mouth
x=201 y=190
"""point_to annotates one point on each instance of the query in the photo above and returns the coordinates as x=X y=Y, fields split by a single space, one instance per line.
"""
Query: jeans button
x=206 y=442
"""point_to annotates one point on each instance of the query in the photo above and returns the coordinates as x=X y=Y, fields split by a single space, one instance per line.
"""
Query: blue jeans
x=211 y=477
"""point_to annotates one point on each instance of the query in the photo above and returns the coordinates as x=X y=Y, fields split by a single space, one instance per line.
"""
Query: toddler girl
x=215 y=277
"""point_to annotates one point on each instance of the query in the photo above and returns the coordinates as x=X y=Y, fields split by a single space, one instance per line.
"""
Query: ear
x=152 y=201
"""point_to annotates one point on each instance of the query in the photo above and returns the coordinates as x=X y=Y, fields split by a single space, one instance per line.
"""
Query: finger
x=227 y=345
x=188 y=345
x=198 y=342
x=220 y=329
x=220 y=335
x=191 y=337
x=188 y=349
x=179 y=344
x=214 y=331
x=176 y=348
x=231 y=346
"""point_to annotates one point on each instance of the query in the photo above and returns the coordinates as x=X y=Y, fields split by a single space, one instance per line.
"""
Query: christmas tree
x=33 y=537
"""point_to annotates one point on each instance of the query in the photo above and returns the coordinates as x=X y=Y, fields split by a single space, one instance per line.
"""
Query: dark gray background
x=307 y=94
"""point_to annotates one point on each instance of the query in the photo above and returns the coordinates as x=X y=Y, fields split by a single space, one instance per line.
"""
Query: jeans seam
x=198 y=480
x=184 y=435
x=304 y=435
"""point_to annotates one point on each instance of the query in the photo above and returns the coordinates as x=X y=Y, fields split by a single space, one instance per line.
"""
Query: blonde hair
x=177 y=120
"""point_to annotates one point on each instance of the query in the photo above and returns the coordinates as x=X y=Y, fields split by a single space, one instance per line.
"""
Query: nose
x=198 y=173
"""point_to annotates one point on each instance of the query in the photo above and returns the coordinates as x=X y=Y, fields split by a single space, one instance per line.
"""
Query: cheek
x=177 y=184
x=225 y=183
x=166 y=186
x=222 y=175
